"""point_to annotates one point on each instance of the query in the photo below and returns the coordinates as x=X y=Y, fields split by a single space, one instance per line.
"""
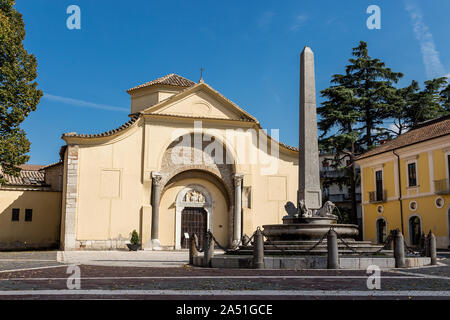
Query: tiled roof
x=126 y=125
x=422 y=132
x=51 y=165
x=170 y=79
x=28 y=176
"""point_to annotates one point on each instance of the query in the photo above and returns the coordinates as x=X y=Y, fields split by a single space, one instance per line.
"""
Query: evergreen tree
x=372 y=84
x=18 y=90
x=401 y=108
x=352 y=117
x=413 y=106
x=445 y=96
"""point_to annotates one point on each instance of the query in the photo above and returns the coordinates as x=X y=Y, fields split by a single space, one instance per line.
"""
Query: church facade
x=187 y=161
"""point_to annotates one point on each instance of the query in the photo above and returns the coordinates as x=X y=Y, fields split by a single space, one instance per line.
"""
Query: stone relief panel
x=214 y=160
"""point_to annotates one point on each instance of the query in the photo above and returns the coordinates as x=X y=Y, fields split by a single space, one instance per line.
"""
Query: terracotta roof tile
x=425 y=131
x=170 y=79
x=28 y=176
x=126 y=125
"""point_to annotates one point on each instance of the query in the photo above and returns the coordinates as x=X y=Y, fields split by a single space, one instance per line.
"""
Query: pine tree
x=413 y=106
x=445 y=96
x=372 y=84
x=351 y=118
x=429 y=102
x=18 y=91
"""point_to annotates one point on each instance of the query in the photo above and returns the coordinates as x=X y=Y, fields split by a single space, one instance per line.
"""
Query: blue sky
x=249 y=49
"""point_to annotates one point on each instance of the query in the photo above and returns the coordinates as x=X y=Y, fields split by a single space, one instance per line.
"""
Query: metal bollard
x=333 y=252
x=432 y=246
x=258 y=250
x=399 y=250
x=208 y=251
x=193 y=252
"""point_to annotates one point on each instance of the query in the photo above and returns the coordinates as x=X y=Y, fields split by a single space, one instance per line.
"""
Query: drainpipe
x=399 y=189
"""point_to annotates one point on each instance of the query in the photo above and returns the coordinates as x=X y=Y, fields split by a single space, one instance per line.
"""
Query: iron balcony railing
x=343 y=197
x=375 y=196
x=442 y=186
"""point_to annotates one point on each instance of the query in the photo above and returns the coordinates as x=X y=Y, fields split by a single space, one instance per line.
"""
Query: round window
x=439 y=202
x=413 y=205
x=380 y=209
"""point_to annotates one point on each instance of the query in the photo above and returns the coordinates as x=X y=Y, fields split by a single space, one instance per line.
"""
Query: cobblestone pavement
x=197 y=283
x=26 y=260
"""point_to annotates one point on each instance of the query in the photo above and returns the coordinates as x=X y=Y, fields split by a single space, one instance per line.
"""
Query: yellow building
x=405 y=185
x=30 y=208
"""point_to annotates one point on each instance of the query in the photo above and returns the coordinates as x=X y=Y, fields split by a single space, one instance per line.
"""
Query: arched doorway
x=415 y=230
x=193 y=214
x=193 y=221
x=195 y=191
x=381 y=230
x=448 y=227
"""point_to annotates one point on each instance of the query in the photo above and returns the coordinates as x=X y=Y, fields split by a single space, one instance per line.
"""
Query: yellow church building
x=188 y=160
x=405 y=185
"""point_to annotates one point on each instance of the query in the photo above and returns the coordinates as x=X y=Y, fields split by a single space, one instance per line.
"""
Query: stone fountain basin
x=308 y=231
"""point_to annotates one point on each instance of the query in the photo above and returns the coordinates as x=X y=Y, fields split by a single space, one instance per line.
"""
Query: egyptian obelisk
x=308 y=173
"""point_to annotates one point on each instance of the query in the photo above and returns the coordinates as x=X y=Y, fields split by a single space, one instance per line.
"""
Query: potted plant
x=134 y=244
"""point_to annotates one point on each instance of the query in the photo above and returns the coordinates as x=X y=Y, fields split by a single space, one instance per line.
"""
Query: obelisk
x=308 y=173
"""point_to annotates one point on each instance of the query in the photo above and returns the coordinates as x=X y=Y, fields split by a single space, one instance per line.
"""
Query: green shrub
x=134 y=237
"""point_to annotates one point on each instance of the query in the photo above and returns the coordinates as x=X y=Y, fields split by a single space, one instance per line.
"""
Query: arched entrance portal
x=381 y=230
x=193 y=214
x=203 y=200
x=415 y=230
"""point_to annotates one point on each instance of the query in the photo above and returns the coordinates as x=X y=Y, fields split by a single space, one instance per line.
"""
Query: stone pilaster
x=237 y=230
x=156 y=197
x=71 y=198
x=309 y=179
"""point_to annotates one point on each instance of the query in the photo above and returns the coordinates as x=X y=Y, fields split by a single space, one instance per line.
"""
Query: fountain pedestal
x=308 y=228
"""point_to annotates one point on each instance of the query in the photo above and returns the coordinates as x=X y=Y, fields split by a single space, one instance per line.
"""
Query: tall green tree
x=412 y=105
x=352 y=117
x=18 y=91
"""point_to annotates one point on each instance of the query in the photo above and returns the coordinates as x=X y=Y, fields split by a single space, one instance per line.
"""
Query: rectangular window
x=28 y=215
x=448 y=165
x=15 y=214
x=412 y=176
x=379 y=185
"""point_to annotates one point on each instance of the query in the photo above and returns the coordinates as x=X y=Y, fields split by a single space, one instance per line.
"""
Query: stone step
x=349 y=241
x=361 y=247
x=305 y=252
x=298 y=247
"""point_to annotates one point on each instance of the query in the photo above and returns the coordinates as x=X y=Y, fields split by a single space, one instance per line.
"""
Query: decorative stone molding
x=238 y=180
x=157 y=178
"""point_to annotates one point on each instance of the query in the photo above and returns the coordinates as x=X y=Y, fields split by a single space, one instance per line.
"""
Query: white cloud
x=265 y=19
x=298 y=22
x=81 y=103
x=431 y=59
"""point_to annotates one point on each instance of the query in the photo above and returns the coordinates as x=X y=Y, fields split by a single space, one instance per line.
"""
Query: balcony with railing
x=378 y=196
x=442 y=186
x=343 y=197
